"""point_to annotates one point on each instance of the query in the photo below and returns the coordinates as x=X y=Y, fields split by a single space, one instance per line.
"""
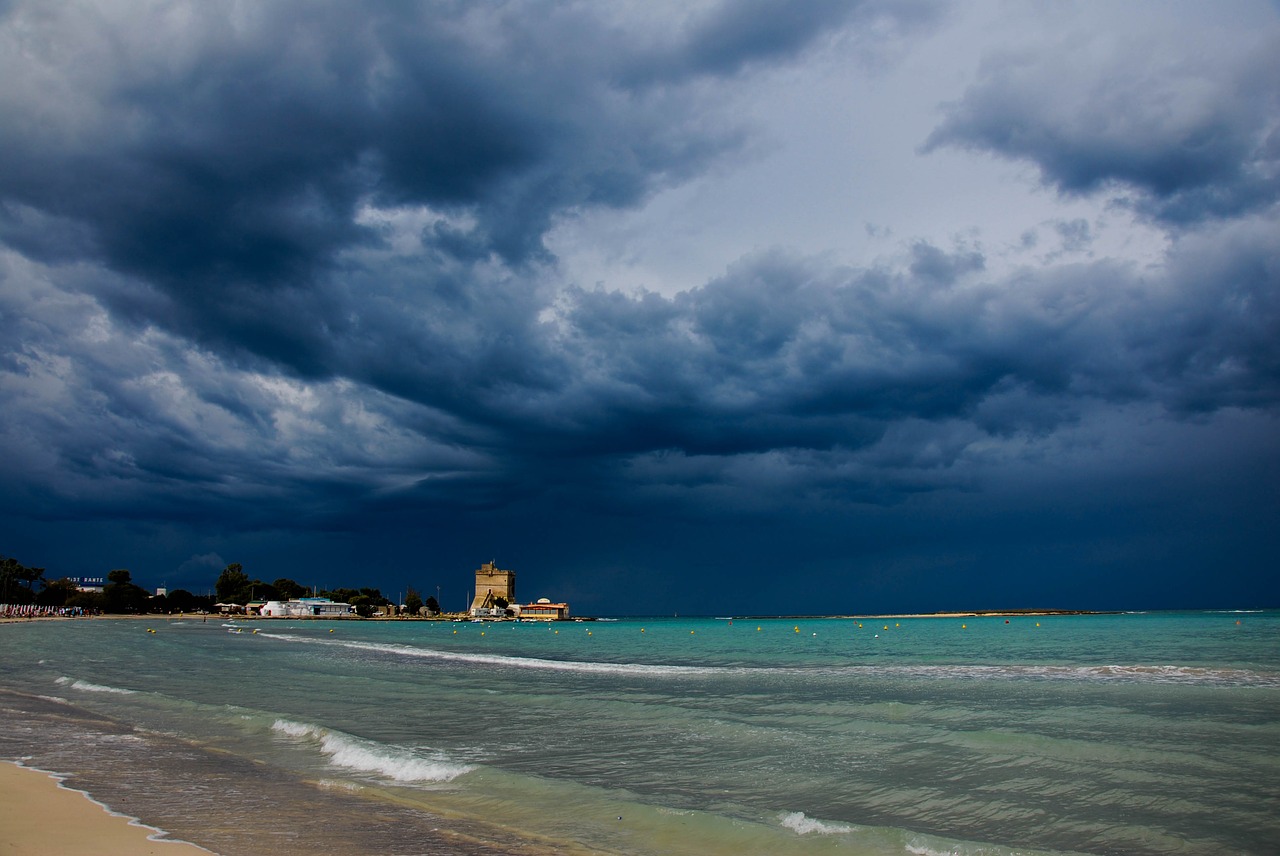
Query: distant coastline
x=977 y=613
x=462 y=617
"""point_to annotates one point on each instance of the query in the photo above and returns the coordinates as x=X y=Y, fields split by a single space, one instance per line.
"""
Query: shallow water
x=1150 y=733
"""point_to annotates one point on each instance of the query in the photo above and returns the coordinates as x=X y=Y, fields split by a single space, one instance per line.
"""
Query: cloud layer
x=284 y=269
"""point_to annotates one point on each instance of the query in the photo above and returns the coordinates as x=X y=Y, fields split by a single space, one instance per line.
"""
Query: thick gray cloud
x=1185 y=120
x=283 y=270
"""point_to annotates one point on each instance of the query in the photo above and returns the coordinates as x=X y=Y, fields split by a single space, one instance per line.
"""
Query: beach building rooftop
x=543 y=610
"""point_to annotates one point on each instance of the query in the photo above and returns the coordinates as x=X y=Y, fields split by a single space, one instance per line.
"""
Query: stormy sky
x=709 y=307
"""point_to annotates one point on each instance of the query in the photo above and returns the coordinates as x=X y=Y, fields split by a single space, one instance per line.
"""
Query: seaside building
x=306 y=607
x=543 y=610
x=493 y=585
x=496 y=598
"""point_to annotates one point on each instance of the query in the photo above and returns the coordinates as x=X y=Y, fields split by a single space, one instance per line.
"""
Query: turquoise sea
x=1136 y=733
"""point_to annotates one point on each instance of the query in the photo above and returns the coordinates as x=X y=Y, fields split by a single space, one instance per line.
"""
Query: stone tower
x=492 y=584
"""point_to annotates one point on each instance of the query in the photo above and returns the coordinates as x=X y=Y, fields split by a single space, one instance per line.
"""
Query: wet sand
x=38 y=817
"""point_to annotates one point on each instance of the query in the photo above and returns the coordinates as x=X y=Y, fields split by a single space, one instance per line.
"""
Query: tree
x=121 y=595
x=288 y=589
x=231 y=582
x=57 y=593
x=17 y=581
x=89 y=601
x=432 y=605
x=412 y=601
x=256 y=589
x=181 y=600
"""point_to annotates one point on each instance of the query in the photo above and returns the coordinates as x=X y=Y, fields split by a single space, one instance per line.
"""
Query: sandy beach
x=38 y=817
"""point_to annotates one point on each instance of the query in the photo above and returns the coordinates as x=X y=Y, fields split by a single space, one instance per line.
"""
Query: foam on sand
x=40 y=815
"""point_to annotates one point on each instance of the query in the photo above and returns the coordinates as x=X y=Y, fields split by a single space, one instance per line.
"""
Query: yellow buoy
x=453 y=631
x=964 y=626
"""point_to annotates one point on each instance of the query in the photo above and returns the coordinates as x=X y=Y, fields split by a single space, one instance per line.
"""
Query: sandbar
x=39 y=817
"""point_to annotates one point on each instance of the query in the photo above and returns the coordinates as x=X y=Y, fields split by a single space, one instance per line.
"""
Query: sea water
x=1134 y=733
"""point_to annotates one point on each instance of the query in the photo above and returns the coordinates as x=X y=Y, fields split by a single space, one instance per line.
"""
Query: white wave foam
x=85 y=686
x=154 y=833
x=801 y=825
x=519 y=662
x=1090 y=673
x=1094 y=673
x=367 y=756
x=939 y=848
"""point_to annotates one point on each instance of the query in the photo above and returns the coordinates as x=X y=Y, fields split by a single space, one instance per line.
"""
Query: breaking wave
x=1156 y=674
x=367 y=756
x=517 y=662
x=801 y=825
x=85 y=686
x=1130 y=674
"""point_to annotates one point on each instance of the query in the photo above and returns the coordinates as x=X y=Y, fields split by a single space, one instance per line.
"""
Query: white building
x=307 y=607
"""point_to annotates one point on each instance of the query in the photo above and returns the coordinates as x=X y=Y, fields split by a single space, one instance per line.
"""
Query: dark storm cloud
x=1189 y=127
x=783 y=375
x=285 y=268
x=215 y=162
x=730 y=37
x=782 y=353
x=220 y=155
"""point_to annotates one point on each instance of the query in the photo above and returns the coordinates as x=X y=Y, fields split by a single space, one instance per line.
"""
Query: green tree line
x=234 y=585
x=20 y=584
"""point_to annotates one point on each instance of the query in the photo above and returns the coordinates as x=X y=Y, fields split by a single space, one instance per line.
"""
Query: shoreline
x=41 y=816
x=456 y=617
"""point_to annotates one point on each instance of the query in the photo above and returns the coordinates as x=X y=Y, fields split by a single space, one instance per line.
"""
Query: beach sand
x=38 y=817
